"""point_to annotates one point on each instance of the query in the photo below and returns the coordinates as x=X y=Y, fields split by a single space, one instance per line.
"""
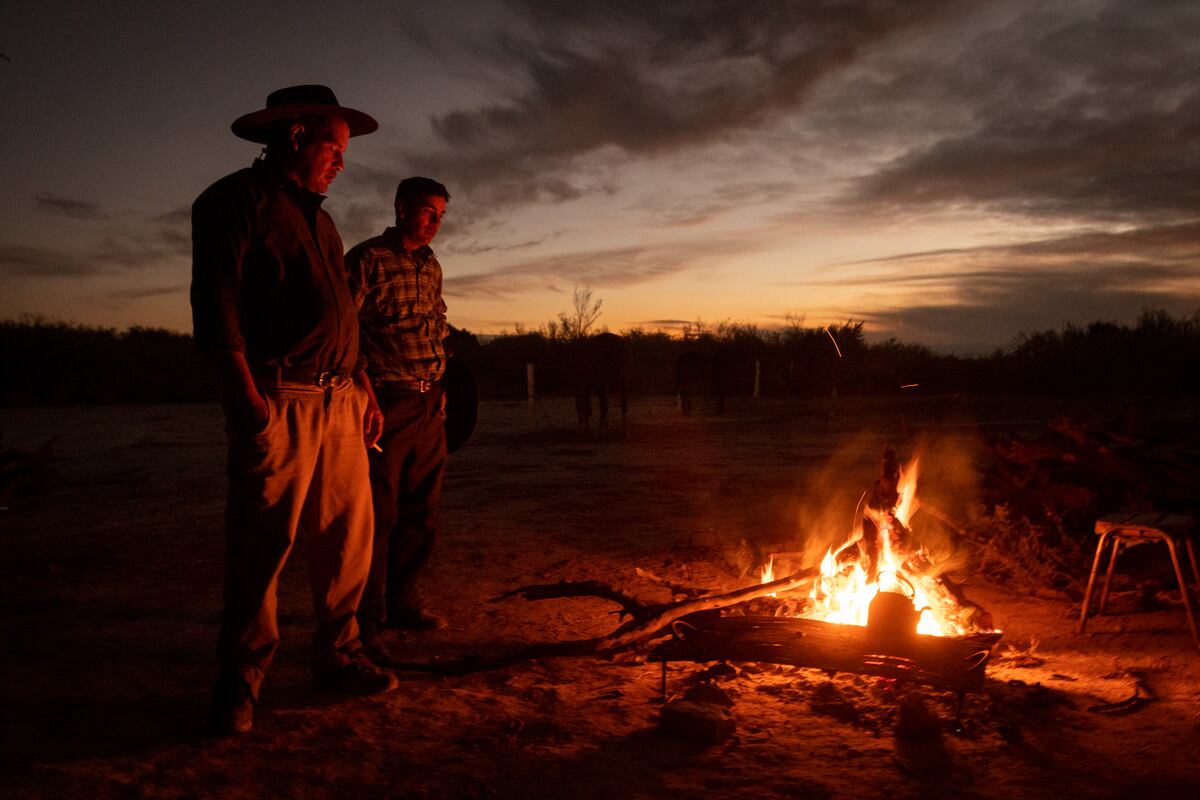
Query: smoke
x=832 y=499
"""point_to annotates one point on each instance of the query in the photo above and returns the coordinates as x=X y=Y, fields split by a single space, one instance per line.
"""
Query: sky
x=949 y=173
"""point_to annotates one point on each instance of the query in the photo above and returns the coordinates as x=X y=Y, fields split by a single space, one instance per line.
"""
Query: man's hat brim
x=256 y=126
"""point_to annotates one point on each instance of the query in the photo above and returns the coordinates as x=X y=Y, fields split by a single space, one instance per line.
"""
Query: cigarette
x=377 y=447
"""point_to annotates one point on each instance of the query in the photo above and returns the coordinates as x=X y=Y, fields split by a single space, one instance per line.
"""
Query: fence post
x=757 y=379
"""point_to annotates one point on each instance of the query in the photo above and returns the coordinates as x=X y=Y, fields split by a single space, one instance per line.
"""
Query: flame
x=768 y=574
x=844 y=590
x=907 y=488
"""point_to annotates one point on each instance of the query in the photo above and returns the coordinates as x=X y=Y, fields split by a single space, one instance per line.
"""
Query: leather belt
x=422 y=386
x=307 y=376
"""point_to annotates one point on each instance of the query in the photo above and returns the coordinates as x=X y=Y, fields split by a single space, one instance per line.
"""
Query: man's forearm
x=245 y=404
x=364 y=380
x=372 y=416
x=235 y=372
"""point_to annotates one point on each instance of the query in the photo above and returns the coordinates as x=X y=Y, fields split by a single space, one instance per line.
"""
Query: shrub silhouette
x=52 y=363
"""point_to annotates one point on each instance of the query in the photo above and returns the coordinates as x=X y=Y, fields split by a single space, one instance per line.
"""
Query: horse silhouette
x=698 y=371
x=601 y=365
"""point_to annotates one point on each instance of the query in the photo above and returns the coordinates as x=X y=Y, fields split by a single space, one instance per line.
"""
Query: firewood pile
x=1043 y=493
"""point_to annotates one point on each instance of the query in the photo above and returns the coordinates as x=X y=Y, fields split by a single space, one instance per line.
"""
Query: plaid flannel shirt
x=401 y=314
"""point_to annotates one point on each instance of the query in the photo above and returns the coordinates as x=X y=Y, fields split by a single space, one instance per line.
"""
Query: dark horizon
x=57 y=364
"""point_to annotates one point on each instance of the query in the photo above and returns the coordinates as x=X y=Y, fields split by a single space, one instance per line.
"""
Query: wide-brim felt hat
x=294 y=102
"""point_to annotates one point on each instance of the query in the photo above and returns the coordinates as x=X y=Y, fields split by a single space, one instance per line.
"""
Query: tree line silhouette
x=59 y=363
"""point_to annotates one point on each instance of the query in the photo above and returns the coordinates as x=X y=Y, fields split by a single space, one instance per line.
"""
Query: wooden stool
x=1131 y=529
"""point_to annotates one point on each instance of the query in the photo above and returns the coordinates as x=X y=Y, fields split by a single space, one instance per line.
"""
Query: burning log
x=885 y=496
x=647 y=621
x=951 y=662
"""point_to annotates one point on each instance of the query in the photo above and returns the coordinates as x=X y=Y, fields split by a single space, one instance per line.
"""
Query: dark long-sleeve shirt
x=403 y=315
x=268 y=278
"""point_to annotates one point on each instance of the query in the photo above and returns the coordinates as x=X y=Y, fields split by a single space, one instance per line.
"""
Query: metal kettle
x=892 y=614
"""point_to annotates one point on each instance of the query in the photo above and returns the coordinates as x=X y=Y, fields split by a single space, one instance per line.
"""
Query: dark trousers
x=406 y=486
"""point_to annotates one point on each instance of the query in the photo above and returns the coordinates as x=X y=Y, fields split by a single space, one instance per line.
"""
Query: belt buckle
x=424 y=386
x=325 y=378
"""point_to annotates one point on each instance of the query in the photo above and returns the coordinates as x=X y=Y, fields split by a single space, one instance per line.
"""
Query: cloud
x=68 y=207
x=1085 y=111
x=115 y=248
x=615 y=267
x=665 y=323
x=178 y=290
x=468 y=248
x=700 y=208
x=993 y=317
x=180 y=217
x=629 y=80
x=137 y=249
x=980 y=298
x=1061 y=114
x=1140 y=251
x=20 y=261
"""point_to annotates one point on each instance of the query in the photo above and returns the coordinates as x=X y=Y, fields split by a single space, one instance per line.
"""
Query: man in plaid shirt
x=397 y=282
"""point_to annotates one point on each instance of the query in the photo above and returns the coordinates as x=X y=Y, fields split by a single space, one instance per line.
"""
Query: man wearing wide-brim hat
x=271 y=306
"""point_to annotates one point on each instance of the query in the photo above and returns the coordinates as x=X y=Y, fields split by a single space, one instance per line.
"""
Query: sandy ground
x=110 y=593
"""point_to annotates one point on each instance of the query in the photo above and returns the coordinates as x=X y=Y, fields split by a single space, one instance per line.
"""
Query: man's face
x=419 y=221
x=319 y=159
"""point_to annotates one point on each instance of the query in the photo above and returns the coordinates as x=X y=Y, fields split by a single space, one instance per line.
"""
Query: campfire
x=880 y=577
x=879 y=604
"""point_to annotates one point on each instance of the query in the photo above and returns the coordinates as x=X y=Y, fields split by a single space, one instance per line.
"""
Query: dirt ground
x=110 y=586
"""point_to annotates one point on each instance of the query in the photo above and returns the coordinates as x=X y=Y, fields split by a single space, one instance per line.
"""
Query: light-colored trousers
x=306 y=469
